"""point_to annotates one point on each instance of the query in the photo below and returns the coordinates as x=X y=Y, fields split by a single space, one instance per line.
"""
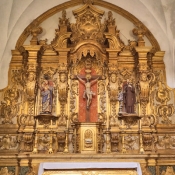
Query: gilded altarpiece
x=87 y=93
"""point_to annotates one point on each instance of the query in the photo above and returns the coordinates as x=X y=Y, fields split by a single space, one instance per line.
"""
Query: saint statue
x=144 y=87
x=46 y=88
x=88 y=93
x=30 y=85
x=113 y=88
x=62 y=88
x=129 y=98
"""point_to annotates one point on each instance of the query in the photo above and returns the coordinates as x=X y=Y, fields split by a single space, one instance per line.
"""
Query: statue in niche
x=129 y=98
x=30 y=85
x=87 y=92
x=113 y=88
x=62 y=88
x=46 y=88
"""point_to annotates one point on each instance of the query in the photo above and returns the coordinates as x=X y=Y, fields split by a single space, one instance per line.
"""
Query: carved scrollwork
x=115 y=142
x=169 y=171
x=102 y=101
x=125 y=73
x=27 y=140
x=102 y=117
x=88 y=26
x=44 y=142
x=62 y=120
x=30 y=171
x=162 y=94
x=130 y=141
x=166 y=141
x=149 y=142
x=17 y=77
x=150 y=121
x=113 y=120
x=10 y=108
x=61 y=141
x=5 y=171
x=73 y=101
x=145 y=170
x=165 y=111
x=7 y=142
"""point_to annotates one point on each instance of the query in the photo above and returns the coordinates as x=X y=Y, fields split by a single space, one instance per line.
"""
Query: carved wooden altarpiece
x=67 y=99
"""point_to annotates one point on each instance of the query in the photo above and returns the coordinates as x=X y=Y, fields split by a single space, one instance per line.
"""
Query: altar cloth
x=88 y=165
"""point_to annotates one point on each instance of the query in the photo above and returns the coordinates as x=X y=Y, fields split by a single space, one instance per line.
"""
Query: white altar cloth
x=88 y=165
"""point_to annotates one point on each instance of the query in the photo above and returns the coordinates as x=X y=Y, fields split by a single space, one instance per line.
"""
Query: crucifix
x=88 y=93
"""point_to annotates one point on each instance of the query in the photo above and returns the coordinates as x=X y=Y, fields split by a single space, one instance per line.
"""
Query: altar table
x=88 y=165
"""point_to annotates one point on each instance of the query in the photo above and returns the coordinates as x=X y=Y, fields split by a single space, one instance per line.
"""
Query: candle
x=51 y=122
x=139 y=109
x=67 y=124
x=140 y=124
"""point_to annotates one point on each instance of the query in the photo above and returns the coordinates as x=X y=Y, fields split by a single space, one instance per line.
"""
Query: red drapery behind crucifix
x=91 y=114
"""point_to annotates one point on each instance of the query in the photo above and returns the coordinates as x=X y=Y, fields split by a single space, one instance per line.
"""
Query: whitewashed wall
x=157 y=15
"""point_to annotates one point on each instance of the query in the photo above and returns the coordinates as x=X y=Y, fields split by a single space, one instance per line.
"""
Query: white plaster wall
x=157 y=15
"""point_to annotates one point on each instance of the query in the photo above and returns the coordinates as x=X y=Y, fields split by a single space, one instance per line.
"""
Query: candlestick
x=107 y=122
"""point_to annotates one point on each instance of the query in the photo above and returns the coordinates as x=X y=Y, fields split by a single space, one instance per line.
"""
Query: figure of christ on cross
x=87 y=92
